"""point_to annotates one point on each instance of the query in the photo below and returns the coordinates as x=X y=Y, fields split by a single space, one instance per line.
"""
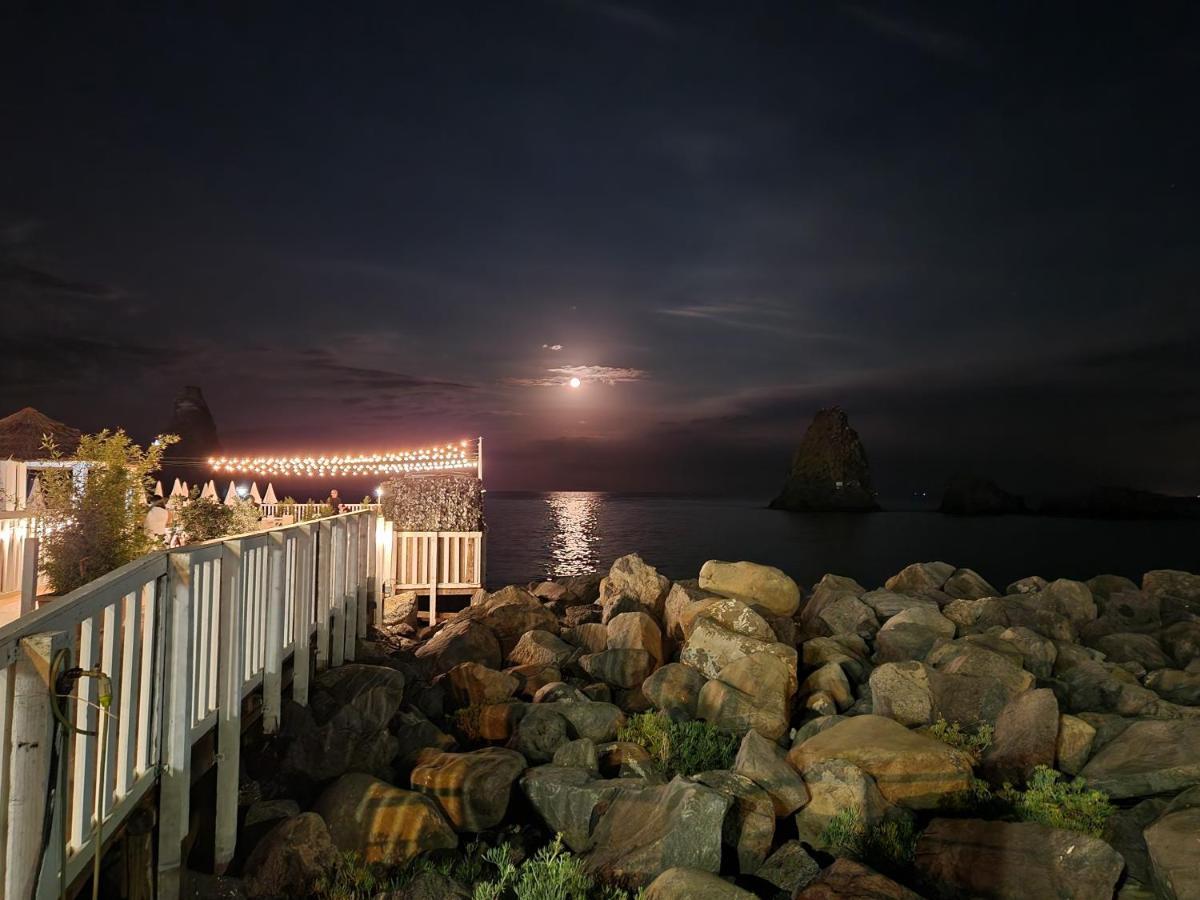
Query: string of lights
x=462 y=456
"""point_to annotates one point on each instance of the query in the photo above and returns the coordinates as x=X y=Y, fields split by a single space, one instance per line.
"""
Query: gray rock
x=473 y=788
x=578 y=754
x=749 y=828
x=571 y=800
x=460 y=641
x=292 y=855
x=764 y=763
x=1175 y=686
x=1016 y=860
x=920 y=577
x=381 y=823
x=1171 y=842
x=789 y=868
x=1140 y=648
x=620 y=668
x=644 y=832
x=835 y=786
x=674 y=686
x=1025 y=737
x=540 y=733
x=540 y=648
x=967 y=584
x=679 y=883
x=749 y=582
x=1149 y=757
x=633 y=578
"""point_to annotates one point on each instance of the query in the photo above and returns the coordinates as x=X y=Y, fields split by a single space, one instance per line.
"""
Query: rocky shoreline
x=736 y=736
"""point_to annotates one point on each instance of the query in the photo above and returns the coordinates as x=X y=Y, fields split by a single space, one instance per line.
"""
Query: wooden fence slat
x=352 y=582
x=130 y=692
x=83 y=755
x=324 y=549
x=337 y=595
x=229 y=708
x=273 y=668
x=110 y=642
x=175 y=775
x=361 y=610
x=302 y=616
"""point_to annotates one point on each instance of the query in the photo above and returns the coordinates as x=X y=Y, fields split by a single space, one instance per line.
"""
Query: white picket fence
x=432 y=562
x=185 y=636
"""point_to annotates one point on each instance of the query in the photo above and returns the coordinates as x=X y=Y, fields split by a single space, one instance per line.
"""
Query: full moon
x=574 y=382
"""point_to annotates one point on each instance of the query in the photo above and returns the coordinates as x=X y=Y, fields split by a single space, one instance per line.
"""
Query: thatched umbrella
x=23 y=434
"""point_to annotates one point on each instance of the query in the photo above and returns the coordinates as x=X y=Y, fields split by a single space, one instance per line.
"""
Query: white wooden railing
x=302 y=512
x=433 y=562
x=185 y=635
x=15 y=528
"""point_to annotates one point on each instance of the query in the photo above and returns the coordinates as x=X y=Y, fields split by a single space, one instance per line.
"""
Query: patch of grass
x=887 y=846
x=972 y=741
x=1060 y=804
x=553 y=873
x=680 y=748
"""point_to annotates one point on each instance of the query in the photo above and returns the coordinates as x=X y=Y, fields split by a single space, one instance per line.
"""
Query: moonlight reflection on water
x=573 y=544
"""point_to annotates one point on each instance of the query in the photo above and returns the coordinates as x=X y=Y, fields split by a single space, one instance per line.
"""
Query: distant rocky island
x=830 y=472
x=971 y=496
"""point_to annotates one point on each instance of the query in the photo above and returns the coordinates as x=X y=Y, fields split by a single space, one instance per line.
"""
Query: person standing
x=334 y=502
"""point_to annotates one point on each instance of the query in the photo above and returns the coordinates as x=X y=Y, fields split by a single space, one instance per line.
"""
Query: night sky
x=973 y=226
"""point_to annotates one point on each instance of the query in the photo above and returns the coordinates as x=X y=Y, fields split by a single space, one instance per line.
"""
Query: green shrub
x=888 y=845
x=972 y=742
x=203 y=519
x=1060 y=804
x=680 y=748
x=96 y=523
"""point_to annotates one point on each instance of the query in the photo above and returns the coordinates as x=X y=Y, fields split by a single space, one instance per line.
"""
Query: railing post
x=229 y=704
x=365 y=534
x=433 y=577
x=302 y=616
x=353 y=577
x=30 y=749
x=175 y=775
x=374 y=594
x=324 y=548
x=273 y=662
x=338 y=594
x=29 y=575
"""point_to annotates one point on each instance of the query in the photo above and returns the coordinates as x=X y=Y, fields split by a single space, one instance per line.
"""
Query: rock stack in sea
x=829 y=470
x=735 y=736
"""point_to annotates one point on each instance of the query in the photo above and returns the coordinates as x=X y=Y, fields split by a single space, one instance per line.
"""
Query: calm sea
x=536 y=535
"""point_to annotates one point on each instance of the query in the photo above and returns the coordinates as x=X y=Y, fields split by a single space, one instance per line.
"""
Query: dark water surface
x=536 y=535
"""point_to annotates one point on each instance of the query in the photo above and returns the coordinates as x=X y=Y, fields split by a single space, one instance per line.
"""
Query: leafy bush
x=680 y=748
x=96 y=523
x=888 y=845
x=1060 y=804
x=973 y=742
x=203 y=519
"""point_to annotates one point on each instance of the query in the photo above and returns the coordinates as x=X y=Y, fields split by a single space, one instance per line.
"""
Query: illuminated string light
x=444 y=458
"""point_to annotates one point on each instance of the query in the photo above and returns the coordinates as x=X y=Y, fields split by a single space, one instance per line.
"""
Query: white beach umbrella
x=34 y=499
x=187 y=491
x=209 y=492
x=158 y=489
x=231 y=495
x=269 y=496
x=177 y=489
x=254 y=494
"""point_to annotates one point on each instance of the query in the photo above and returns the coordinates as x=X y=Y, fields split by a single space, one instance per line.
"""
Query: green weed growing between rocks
x=887 y=846
x=1060 y=804
x=680 y=748
x=971 y=742
x=552 y=873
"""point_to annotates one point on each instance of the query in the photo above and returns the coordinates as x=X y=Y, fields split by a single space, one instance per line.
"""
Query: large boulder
x=763 y=762
x=1073 y=745
x=753 y=692
x=967 y=584
x=749 y=828
x=291 y=856
x=684 y=603
x=1142 y=649
x=1016 y=860
x=509 y=613
x=540 y=648
x=920 y=578
x=788 y=869
x=571 y=800
x=633 y=578
x=590 y=637
x=644 y=832
x=849 y=651
x=636 y=631
x=460 y=641
x=711 y=648
x=911 y=633
x=591 y=719
x=1025 y=737
x=843 y=614
x=848 y=880
x=620 y=668
x=679 y=883
x=1178 y=593
x=1175 y=686
x=830 y=679
x=914 y=694
x=1172 y=842
x=382 y=823
x=1095 y=687
x=1151 y=756
x=674 y=686
x=887 y=603
x=541 y=731
x=835 y=786
x=474 y=685
x=1070 y=598
x=758 y=585
x=910 y=769
x=732 y=615
x=471 y=788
